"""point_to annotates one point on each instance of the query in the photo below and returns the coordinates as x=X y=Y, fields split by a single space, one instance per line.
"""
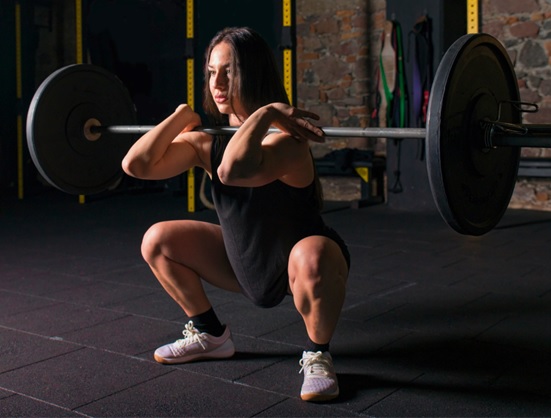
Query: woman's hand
x=169 y=149
x=294 y=121
x=191 y=118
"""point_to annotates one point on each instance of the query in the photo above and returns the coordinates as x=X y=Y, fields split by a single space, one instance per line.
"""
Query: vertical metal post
x=19 y=94
x=472 y=16
x=79 y=54
x=78 y=34
x=190 y=97
x=287 y=46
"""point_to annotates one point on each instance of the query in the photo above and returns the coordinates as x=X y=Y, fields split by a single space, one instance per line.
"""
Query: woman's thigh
x=196 y=245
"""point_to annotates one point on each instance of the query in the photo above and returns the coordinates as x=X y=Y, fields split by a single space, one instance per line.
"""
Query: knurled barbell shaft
x=349 y=132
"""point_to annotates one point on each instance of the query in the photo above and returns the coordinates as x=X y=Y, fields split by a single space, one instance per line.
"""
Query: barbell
x=473 y=134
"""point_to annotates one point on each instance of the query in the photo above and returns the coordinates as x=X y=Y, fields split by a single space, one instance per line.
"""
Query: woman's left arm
x=253 y=158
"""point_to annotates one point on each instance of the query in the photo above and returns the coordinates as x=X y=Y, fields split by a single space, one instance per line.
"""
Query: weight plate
x=471 y=185
x=58 y=112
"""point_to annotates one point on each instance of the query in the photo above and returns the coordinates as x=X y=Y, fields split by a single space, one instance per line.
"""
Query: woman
x=271 y=241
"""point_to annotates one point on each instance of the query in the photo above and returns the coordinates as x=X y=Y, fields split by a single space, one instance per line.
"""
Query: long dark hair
x=256 y=80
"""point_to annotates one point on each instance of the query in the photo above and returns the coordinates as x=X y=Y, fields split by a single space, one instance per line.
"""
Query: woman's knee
x=305 y=262
x=315 y=261
x=152 y=242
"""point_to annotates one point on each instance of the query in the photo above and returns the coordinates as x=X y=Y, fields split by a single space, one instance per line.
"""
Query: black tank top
x=260 y=226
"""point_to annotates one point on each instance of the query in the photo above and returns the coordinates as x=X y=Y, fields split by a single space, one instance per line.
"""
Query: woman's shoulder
x=296 y=155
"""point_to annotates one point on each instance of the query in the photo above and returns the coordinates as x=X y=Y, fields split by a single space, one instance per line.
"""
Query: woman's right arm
x=169 y=149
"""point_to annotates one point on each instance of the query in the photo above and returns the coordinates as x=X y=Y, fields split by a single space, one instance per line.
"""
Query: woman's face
x=220 y=75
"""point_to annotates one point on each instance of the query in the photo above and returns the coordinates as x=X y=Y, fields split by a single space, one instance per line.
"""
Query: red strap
x=425 y=107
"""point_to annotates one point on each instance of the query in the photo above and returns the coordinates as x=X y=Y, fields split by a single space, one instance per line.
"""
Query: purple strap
x=417 y=88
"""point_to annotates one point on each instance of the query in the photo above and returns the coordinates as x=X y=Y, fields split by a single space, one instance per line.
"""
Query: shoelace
x=316 y=364
x=191 y=335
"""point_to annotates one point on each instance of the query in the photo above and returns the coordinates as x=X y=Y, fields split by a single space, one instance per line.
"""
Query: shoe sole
x=318 y=397
x=221 y=352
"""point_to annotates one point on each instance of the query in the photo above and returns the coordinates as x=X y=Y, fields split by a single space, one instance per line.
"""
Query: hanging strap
x=387 y=69
x=416 y=85
x=400 y=104
x=400 y=94
x=386 y=89
x=422 y=68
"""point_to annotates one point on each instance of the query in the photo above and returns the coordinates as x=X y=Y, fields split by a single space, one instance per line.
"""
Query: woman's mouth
x=220 y=99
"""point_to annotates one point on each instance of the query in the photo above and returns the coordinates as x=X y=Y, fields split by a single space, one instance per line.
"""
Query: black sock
x=208 y=322
x=315 y=347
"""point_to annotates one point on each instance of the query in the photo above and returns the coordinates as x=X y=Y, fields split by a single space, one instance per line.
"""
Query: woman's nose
x=220 y=79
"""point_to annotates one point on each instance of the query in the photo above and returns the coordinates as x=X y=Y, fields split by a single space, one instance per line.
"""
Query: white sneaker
x=196 y=346
x=320 y=380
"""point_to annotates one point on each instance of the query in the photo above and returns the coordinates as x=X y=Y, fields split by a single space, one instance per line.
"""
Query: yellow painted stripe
x=363 y=172
x=79 y=58
x=288 y=73
x=191 y=82
x=472 y=16
x=286 y=12
x=19 y=93
x=191 y=190
x=190 y=100
x=288 y=53
x=78 y=28
x=189 y=19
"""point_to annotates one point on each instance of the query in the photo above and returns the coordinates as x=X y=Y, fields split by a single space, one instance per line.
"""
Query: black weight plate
x=59 y=109
x=471 y=185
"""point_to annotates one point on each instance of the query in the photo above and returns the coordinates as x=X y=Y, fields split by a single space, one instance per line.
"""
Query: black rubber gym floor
x=434 y=324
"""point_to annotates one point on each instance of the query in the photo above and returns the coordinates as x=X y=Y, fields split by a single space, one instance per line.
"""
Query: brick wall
x=337 y=44
x=335 y=62
x=524 y=27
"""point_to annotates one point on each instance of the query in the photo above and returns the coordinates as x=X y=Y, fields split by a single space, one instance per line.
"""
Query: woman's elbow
x=231 y=175
x=224 y=174
x=133 y=167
